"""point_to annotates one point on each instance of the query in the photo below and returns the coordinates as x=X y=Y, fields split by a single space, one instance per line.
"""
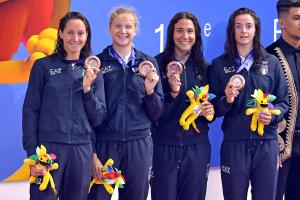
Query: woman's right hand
x=231 y=92
x=97 y=168
x=35 y=172
x=174 y=83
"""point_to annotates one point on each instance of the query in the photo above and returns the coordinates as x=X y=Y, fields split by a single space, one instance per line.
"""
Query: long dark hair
x=59 y=47
x=230 y=44
x=197 y=49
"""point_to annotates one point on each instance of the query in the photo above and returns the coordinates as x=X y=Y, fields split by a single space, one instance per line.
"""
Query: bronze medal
x=174 y=67
x=238 y=81
x=92 y=62
x=145 y=67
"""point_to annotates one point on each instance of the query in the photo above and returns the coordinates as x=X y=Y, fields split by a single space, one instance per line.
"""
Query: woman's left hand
x=89 y=77
x=265 y=117
x=207 y=109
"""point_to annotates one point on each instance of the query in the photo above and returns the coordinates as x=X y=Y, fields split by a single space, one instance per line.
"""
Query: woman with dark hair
x=246 y=155
x=181 y=157
x=54 y=114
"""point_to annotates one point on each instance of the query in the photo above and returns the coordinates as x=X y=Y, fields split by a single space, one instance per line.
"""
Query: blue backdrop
x=154 y=18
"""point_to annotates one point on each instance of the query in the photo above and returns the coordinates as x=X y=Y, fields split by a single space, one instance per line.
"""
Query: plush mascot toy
x=40 y=160
x=261 y=101
x=110 y=176
x=44 y=161
x=196 y=96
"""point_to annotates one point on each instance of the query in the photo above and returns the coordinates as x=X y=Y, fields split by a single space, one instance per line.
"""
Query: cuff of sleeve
x=276 y=119
x=225 y=103
x=30 y=151
x=150 y=97
x=88 y=96
x=94 y=148
x=169 y=99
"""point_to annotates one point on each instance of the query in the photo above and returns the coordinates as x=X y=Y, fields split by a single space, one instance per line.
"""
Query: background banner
x=21 y=19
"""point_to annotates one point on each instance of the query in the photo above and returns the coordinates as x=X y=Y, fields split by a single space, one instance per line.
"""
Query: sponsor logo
x=229 y=69
x=226 y=169
x=106 y=69
x=55 y=71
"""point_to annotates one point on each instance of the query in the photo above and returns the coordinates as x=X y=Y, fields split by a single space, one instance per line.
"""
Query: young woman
x=181 y=158
x=133 y=102
x=245 y=155
x=54 y=111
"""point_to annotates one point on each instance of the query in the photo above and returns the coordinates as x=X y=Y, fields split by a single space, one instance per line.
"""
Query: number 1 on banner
x=160 y=30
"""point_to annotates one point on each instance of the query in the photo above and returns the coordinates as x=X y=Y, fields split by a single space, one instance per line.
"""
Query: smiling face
x=184 y=36
x=44 y=160
x=74 y=37
x=123 y=30
x=244 y=30
x=263 y=102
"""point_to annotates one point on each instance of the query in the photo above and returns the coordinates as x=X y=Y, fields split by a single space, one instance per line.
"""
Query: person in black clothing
x=181 y=158
x=245 y=155
x=133 y=102
x=287 y=48
x=54 y=111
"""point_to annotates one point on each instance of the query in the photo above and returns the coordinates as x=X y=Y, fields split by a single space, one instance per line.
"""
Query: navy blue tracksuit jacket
x=124 y=135
x=54 y=114
x=244 y=154
x=180 y=156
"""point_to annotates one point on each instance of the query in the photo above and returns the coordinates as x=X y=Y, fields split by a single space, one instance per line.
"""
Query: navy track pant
x=73 y=175
x=134 y=159
x=249 y=160
x=180 y=172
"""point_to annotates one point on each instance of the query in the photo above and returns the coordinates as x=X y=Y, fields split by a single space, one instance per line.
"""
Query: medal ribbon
x=246 y=64
x=125 y=65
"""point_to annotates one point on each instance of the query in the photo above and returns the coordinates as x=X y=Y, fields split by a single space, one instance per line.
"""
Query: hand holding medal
x=92 y=62
x=145 y=67
x=92 y=68
x=237 y=81
x=148 y=71
x=174 y=67
x=174 y=70
x=235 y=84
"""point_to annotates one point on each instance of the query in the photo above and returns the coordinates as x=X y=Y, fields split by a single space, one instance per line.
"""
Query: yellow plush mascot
x=110 y=176
x=44 y=161
x=40 y=160
x=196 y=96
x=261 y=101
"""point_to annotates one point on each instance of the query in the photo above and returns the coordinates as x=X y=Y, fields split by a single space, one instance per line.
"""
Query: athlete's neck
x=121 y=50
x=244 y=50
x=181 y=56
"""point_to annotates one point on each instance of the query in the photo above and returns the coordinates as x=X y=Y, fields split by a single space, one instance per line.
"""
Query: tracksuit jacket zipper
x=124 y=104
x=72 y=68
